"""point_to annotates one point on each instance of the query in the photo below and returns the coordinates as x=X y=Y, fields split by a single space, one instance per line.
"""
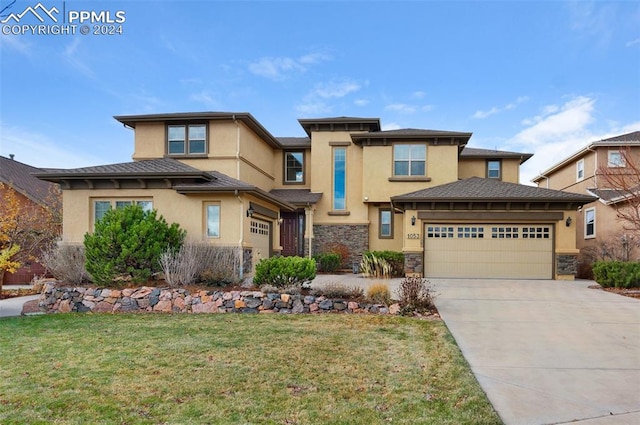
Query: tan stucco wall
x=478 y=168
x=278 y=171
x=149 y=141
x=375 y=242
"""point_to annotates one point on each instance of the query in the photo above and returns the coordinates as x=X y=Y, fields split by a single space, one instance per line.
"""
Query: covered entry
x=488 y=250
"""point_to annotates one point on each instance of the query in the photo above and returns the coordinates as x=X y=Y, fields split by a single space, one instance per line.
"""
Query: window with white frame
x=580 y=170
x=212 y=217
x=409 y=160
x=615 y=159
x=590 y=223
x=187 y=139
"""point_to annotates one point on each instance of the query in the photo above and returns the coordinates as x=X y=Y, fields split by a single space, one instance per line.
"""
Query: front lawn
x=234 y=369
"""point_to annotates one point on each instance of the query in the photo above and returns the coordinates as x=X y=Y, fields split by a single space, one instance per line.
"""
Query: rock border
x=55 y=299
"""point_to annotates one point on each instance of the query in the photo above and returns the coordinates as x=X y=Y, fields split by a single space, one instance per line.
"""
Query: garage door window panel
x=470 y=232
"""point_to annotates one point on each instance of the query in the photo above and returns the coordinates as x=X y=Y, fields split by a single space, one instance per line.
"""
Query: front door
x=291 y=232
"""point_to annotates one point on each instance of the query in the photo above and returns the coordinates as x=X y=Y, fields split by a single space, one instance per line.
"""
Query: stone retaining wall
x=149 y=299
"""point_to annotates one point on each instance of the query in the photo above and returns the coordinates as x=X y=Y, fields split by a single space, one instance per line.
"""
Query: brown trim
x=409 y=179
x=339 y=143
x=259 y=209
x=451 y=216
x=338 y=213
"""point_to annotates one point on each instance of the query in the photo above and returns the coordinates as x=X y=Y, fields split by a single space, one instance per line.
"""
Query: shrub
x=210 y=264
x=127 y=244
x=282 y=272
x=416 y=295
x=338 y=290
x=341 y=250
x=617 y=274
x=382 y=264
x=379 y=293
x=66 y=263
x=327 y=262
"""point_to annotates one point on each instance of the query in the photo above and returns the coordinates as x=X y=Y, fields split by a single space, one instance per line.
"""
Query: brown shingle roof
x=294 y=142
x=297 y=196
x=162 y=167
x=613 y=196
x=629 y=137
x=476 y=189
x=21 y=177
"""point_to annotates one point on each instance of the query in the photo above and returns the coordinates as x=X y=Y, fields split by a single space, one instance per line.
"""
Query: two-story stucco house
x=454 y=211
x=585 y=172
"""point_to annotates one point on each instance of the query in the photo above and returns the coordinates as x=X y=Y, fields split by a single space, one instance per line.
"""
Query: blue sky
x=539 y=77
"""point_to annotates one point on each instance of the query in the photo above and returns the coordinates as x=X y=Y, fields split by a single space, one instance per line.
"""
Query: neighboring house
x=597 y=222
x=33 y=195
x=453 y=211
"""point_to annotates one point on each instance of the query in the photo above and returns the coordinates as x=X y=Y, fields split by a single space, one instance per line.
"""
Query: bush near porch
x=617 y=274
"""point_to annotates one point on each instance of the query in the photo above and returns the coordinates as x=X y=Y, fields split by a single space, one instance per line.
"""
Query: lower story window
x=213 y=220
x=100 y=207
x=386 y=224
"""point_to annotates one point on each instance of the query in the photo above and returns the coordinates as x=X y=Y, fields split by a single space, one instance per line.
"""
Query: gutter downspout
x=241 y=241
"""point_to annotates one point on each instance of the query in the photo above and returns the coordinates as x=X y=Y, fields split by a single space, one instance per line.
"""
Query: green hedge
x=328 y=261
x=283 y=272
x=617 y=274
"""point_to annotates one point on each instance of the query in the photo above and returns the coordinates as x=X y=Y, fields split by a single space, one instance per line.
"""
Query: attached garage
x=504 y=250
x=261 y=239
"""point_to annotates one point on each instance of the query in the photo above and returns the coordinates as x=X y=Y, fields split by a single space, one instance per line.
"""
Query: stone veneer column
x=566 y=264
x=354 y=236
x=413 y=264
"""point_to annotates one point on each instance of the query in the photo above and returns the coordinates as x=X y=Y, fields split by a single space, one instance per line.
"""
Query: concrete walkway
x=13 y=306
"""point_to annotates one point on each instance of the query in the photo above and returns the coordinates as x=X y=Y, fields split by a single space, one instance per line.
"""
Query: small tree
x=624 y=179
x=128 y=243
x=26 y=228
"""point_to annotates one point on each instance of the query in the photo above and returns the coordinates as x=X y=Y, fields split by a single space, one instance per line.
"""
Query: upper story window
x=580 y=170
x=409 y=160
x=615 y=159
x=187 y=139
x=590 y=223
x=294 y=167
x=494 y=169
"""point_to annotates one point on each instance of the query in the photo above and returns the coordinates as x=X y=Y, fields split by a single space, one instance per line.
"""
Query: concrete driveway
x=548 y=352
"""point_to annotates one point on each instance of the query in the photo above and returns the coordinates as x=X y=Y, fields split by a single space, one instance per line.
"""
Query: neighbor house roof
x=473 y=153
x=181 y=117
x=297 y=196
x=21 y=178
x=483 y=189
x=628 y=139
x=613 y=196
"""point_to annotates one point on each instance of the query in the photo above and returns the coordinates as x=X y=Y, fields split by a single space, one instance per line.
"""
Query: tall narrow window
x=580 y=170
x=590 y=223
x=339 y=178
x=386 y=223
x=294 y=167
x=213 y=220
x=409 y=160
x=494 y=169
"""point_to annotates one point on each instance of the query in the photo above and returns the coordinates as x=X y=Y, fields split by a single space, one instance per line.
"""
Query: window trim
x=285 y=169
x=410 y=161
x=381 y=235
x=579 y=169
x=497 y=161
x=205 y=218
x=187 y=140
x=591 y=235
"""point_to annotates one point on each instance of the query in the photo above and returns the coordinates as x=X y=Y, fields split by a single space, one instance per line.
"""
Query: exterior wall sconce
x=250 y=211
x=280 y=221
x=568 y=221
x=413 y=220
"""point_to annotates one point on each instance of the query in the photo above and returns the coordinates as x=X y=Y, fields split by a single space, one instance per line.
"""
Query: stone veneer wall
x=55 y=299
x=567 y=264
x=354 y=236
x=413 y=263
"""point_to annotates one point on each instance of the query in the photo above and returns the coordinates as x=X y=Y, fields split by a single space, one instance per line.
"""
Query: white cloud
x=401 y=107
x=205 y=98
x=314 y=102
x=390 y=126
x=17 y=43
x=34 y=149
x=480 y=114
x=281 y=68
x=361 y=102
x=633 y=42
x=418 y=94
x=73 y=56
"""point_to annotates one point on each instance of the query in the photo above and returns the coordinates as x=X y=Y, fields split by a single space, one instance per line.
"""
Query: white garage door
x=489 y=251
x=261 y=239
